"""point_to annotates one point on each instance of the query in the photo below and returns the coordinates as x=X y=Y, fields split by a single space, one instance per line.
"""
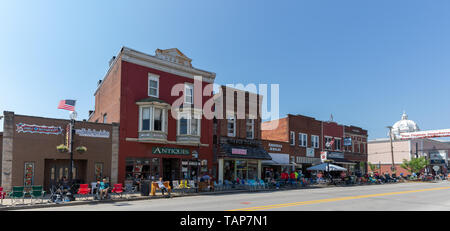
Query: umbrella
x=323 y=167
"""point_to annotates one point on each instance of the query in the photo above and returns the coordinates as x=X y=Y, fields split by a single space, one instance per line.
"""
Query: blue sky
x=362 y=61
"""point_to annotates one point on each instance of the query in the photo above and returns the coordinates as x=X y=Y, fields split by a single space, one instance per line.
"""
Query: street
x=388 y=197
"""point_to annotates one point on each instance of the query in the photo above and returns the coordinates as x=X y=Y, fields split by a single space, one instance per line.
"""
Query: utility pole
x=392 y=148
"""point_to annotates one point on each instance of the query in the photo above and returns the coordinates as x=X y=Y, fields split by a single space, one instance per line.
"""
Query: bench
x=155 y=187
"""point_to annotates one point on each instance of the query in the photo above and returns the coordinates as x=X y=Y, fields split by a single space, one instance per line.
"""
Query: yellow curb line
x=333 y=199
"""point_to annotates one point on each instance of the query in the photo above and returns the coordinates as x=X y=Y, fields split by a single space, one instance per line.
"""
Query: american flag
x=67 y=104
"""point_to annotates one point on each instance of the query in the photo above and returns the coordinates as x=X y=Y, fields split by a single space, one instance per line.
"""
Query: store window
x=142 y=168
x=241 y=169
x=252 y=170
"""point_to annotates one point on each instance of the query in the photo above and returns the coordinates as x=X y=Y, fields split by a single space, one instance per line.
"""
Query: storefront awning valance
x=244 y=152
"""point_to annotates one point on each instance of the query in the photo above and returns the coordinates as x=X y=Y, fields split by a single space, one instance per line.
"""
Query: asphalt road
x=389 y=197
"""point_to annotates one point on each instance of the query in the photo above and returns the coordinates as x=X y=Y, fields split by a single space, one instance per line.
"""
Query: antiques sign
x=170 y=151
x=41 y=129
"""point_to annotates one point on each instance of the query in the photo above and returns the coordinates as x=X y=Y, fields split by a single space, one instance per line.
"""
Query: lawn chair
x=17 y=193
x=2 y=195
x=117 y=189
x=93 y=187
x=263 y=184
x=84 y=190
x=37 y=192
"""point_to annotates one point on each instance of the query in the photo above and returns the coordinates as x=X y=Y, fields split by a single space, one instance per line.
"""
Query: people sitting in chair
x=103 y=189
x=162 y=186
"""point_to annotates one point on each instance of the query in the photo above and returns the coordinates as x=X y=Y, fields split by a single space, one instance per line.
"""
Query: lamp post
x=73 y=116
x=392 y=148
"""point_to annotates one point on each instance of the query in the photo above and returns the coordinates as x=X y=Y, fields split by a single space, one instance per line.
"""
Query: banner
x=40 y=129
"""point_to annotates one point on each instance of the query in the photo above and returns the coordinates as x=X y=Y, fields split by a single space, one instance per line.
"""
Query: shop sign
x=92 y=133
x=438 y=155
x=170 y=151
x=337 y=155
x=310 y=152
x=239 y=151
x=40 y=129
x=323 y=156
x=275 y=147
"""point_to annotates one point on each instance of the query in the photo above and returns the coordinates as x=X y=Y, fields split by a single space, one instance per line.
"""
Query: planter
x=62 y=148
x=81 y=149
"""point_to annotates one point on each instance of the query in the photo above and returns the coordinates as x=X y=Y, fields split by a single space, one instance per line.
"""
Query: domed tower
x=404 y=125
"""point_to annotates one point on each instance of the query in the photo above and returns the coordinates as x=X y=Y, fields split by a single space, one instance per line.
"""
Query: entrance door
x=55 y=170
x=171 y=169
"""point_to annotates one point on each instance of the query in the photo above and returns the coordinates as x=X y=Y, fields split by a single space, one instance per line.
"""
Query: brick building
x=136 y=92
x=29 y=155
x=355 y=147
x=302 y=133
x=237 y=135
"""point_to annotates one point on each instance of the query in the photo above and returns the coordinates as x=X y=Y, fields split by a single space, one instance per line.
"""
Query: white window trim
x=316 y=140
x=325 y=142
x=152 y=116
x=234 y=126
x=292 y=137
x=154 y=78
x=301 y=141
x=340 y=143
x=189 y=124
x=190 y=86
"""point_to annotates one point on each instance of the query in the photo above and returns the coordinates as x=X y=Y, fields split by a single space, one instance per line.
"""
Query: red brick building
x=355 y=146
x=237 y=135
x=137 y=93
x=302 y=133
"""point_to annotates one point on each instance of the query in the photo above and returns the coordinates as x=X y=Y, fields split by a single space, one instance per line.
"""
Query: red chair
x=2 y=195
x=118 y=189
x=84 y=189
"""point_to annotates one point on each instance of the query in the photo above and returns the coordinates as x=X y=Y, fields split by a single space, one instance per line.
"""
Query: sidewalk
x=8 y=205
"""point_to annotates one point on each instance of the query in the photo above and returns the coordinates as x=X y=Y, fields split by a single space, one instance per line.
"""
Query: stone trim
x=7 y=156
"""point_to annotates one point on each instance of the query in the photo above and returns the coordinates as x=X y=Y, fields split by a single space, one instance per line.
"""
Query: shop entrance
x=171 y=169
x=55 y=170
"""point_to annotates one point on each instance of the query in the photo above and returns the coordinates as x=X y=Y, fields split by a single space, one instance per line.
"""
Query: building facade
x=138 y=92
x=355 y=147
x=237 y=135
x=29 y=155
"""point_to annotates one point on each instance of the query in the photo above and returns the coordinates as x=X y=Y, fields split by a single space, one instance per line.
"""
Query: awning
x=277 y=160
x=243 y=152
x=326 y=167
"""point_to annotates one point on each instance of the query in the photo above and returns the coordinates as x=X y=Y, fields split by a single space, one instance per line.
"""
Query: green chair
x=17 y=193
x=37 y=192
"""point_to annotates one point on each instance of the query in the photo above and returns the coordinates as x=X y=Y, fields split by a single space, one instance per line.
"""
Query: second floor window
x=188 y=126
x=302 y=139
x=152 y=119
x=250 y=128
x=337 y=144
x=188 y=93
x=292 y=138
x=315 y=141
x=153 y=85
x=328 y=142
x=231 y=126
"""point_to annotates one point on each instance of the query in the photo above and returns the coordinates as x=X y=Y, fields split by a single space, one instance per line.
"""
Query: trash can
x=145 y=187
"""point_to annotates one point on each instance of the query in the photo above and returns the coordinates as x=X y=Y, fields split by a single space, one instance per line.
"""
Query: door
x=55 y=170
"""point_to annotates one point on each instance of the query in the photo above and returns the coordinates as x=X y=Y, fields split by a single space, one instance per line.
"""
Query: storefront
x=438 y=161
x=338 y=159
x=279 y=164
x=30 y=156
x=240 y=159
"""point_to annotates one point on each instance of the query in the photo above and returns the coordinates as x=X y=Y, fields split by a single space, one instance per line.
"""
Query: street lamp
x=392 y=148
x=73 y=116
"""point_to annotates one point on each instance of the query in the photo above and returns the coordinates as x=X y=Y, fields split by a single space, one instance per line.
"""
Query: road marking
x=333 y=199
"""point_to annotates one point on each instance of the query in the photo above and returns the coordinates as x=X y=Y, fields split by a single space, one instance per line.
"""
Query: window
x=231 y=126
x=302 y=140
x=315 y=141
x=328 y=142
x=292 y=138
x=337 y=144
x=188 y=93
x=250 y=128
x=152 y=119
x=188 y=126
x=157 y=121
x=105 y=118
x=153 y=85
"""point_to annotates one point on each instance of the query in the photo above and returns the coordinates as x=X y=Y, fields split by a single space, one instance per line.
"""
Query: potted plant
x=62 y=148
x=81 y=149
